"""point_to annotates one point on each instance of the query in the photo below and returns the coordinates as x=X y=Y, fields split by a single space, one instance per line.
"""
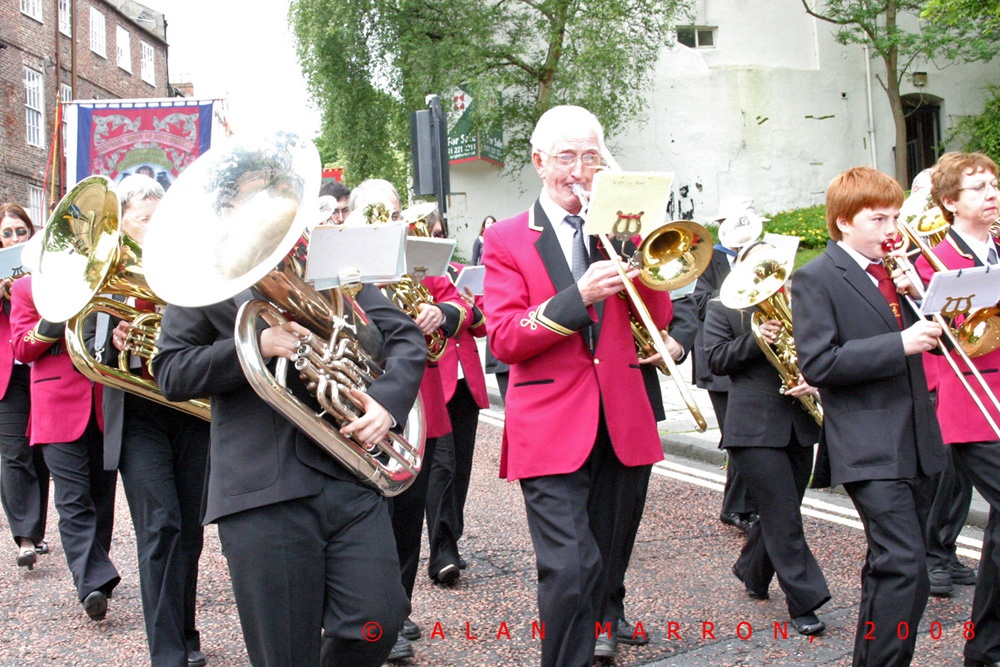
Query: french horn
x=82 y=254
x=249 y=203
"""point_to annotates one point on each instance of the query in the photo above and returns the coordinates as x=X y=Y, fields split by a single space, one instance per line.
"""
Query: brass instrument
x=758 y=281
x=409 y=294
x=892 y=263
x=83 y=253
x=685 y=252
x=248 y=202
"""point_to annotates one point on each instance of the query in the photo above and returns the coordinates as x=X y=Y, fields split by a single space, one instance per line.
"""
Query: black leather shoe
x=941 y=583
x=606 y=648
x=196 y=659
x=401 y=650
x=625 y=634
x=961 y=574
x=447 y=575
x=737 y=521
x=27 y=558
x=96 y=605
x=410 y=630
x=808 y=624
x=462 y=564
x=42 y=548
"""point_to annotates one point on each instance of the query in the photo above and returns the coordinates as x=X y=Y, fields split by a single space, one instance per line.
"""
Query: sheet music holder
x=340 y=254
x=625 y=203
x=10 y=261
x=783 y=242
x=961 y=290
x=472 y=277
x=428 y=256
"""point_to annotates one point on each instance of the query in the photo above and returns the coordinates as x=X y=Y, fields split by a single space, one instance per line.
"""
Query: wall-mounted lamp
x=920 y=79
x=48 y=64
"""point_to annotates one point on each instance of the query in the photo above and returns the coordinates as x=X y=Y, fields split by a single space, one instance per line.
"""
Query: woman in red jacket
x=24 y=479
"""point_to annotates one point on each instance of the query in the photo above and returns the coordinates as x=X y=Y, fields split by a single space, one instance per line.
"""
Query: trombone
x=670 y=257
x=909 y=234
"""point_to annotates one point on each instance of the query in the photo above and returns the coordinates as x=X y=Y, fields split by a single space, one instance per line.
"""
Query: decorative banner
x=464 y=142
x=116 y=138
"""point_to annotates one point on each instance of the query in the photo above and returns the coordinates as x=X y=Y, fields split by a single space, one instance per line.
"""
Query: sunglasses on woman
x=20 y=231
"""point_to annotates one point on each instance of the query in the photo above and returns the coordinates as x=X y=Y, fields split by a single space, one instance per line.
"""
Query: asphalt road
x=680 y=589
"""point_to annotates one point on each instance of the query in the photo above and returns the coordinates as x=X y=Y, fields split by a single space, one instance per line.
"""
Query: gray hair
x=137 y=187
x=554 y=122
x=368 y=190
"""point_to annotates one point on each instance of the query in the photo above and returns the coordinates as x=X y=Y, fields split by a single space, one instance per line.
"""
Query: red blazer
x=960 y=419
x=534 y=316
x=6 y=352
x=61 y=398
x=457 y=315
x=463 y=348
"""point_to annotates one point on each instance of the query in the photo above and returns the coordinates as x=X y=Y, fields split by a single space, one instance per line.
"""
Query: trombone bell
x=673 y=255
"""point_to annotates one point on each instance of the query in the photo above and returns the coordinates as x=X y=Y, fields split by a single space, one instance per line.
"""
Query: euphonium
x=408 y=293
x=758 y=281
x=248 y=204
x=83 y=253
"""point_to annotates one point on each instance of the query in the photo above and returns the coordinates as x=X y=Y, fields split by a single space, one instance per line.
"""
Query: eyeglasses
x=20 y=231
x=980 y=188
x=568 y=159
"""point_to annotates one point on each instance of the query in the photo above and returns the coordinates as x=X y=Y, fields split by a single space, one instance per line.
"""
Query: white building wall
x=774 y=112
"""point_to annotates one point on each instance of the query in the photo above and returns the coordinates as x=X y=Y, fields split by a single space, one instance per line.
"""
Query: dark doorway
x=923 y=133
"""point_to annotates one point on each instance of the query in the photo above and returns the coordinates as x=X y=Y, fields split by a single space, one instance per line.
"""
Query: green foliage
x=983 y=14
x=809 y=224
x=982 y=132
x=369 y=63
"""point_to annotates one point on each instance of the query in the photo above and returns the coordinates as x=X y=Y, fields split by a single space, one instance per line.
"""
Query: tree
x=877 y=24
x=370 y=62
x=982 y=132
x=984 y=14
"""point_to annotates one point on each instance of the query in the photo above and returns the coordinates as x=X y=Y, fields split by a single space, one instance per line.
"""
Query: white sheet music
x=472 y=277
x=962 y=290
x=374 y=253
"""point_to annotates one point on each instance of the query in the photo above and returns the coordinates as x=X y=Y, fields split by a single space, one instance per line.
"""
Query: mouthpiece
x=892 y=244
x=580 y=192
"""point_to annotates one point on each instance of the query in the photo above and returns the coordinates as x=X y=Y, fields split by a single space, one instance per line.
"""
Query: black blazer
x=757 y=414
x=694 y=309
x=257 y=456
x=878 y=419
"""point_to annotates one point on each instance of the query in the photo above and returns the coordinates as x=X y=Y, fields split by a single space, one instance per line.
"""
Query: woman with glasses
x=964 y=187
x=24 y=479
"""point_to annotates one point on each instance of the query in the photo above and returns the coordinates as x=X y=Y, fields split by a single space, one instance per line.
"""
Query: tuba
x=248 y=203
x=758 y=280
x=82 y=253
x=409 y=293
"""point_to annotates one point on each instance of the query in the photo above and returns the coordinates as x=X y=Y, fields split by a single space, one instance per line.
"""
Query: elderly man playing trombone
x=964 y=187
x=575 y=437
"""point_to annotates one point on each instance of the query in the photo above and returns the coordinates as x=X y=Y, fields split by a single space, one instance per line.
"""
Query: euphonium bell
x=236 y=219
x=83 y=253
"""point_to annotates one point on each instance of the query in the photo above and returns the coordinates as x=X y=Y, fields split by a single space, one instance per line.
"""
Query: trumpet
x=689 y=246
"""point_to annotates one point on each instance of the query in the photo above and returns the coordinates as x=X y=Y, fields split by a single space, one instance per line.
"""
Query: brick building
x=62 y=50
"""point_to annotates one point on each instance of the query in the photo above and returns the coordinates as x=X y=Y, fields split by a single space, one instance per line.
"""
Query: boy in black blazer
x=880 y=437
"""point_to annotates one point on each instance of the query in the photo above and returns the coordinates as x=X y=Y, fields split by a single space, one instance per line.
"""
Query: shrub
x=809 y=224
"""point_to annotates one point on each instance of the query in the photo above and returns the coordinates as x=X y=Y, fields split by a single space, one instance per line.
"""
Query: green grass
x=809 y=224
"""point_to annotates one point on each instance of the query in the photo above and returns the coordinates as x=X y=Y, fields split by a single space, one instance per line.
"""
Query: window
x=65 y=18
x=36 y=205
x=66 y=95
x=148 y=71
x=124 y=44
x=32 y=8
x=696 y=37
x=33 y=107
x=98 y=33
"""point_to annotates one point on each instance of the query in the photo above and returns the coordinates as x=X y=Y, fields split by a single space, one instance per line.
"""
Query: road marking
x=811 y=507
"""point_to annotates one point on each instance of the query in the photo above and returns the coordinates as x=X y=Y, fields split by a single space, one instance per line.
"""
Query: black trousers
x=85 y=501
x=407 y=511
x=163 y=465
x=578 y=522
x=894 y=583
x=949 y=510
x=735 y=498
x=322 y=563
x=981 y=462
x=450 y=475
x=24 y=477
x=615 y=608
x=777 y=479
